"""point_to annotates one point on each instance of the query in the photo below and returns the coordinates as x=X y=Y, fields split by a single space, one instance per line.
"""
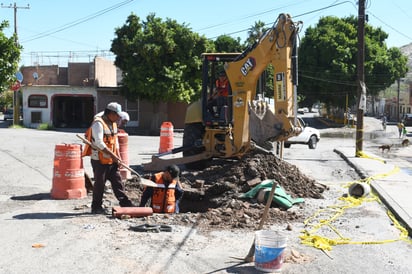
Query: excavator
x=244 y=119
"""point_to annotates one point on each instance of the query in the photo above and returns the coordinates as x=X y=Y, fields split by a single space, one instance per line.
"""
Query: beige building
x=69 y=97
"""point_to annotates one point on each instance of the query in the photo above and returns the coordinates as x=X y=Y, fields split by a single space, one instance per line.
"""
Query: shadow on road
x=50 y=215
x=35 y=197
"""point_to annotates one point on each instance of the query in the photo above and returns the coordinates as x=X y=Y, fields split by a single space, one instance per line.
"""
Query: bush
x=45 y=126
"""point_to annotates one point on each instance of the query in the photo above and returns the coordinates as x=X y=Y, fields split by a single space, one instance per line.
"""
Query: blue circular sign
x=19 y=76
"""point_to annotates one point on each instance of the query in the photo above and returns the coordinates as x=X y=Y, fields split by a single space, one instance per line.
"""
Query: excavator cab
x=217 y=109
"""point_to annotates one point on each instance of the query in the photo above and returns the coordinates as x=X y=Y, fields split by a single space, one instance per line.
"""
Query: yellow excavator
x=244 y=118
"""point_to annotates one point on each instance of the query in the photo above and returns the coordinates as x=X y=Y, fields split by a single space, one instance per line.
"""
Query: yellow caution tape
x=310 y=238
x=362 y=154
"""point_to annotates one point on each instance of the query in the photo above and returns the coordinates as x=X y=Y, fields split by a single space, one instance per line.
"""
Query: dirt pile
x=211 y=199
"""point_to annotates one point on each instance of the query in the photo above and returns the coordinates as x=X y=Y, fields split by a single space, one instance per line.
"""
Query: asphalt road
x=42 y=235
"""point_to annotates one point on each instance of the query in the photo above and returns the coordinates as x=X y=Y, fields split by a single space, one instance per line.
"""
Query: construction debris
x=212 y=195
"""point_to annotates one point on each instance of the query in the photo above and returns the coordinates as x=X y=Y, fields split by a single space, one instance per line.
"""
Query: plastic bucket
x=269 y=250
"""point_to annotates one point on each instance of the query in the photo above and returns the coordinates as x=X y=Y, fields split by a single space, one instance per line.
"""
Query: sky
x=57 y=32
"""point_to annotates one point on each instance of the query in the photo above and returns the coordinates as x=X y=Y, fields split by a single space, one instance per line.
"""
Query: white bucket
x=269 y=250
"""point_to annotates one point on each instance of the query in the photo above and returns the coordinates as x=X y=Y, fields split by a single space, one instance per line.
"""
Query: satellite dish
x=19 y=76
x=35 y=75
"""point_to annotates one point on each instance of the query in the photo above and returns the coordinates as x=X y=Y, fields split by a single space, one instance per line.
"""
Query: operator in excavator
x=219 y=95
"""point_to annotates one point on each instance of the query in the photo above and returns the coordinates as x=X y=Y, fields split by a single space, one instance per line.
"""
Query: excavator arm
x=278 y=47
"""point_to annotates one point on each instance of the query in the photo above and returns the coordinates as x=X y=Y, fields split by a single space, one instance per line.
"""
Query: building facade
x=70 y=97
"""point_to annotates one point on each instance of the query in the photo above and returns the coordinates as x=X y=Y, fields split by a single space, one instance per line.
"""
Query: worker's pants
x=102 y=173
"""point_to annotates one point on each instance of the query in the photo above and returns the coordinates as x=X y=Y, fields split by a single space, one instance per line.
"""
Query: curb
x=386 y=199
x=358 y=170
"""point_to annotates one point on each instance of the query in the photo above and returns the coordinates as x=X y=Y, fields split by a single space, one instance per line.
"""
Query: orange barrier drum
x=68 y=173
x=166 y=137
x=124 y=154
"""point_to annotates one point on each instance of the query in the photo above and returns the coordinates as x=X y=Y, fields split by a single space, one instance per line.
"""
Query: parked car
x=8 y=114
x=303 y=110
x=309 y=136
x=407 y=119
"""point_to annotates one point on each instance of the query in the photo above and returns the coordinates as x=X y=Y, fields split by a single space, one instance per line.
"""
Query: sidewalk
x=394 y=187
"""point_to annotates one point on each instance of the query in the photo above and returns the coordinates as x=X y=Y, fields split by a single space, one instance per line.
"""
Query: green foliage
x=328 y=61
x=225 y=43
x=160 y=60
x=45 y=126
x=6 y=99
x=255 y=32
x=9 y=58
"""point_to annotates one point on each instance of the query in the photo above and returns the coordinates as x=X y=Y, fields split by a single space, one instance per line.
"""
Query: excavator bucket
x=263 y=124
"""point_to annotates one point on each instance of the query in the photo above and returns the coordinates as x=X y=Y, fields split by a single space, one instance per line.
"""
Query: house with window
x=69 y=97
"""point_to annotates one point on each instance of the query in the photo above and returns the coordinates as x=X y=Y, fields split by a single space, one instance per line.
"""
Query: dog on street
x=385 y=147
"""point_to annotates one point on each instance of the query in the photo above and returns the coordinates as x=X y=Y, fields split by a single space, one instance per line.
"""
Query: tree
x=225 y=43
x=9 y=58
x=160 y=60
x=328 y=58
x=255 y=32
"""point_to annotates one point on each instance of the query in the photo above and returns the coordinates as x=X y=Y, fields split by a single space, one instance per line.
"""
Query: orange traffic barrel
x=166 y=137
x=124 y=154
x=68 y=172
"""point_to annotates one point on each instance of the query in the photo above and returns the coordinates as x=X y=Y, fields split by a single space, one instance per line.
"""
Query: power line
x=78 y=21
x=392 y=28
x=296 y=16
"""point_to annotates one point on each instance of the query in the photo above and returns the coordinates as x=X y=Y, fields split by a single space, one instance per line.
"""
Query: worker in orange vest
x=219 y=96
x=168 y=192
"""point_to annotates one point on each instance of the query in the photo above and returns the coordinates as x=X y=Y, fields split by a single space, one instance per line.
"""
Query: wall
x=105 y=72
x=79 y=74
x=51 y=92
x=46 y=75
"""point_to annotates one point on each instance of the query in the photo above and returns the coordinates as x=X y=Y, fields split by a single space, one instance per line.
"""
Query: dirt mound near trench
x=211 y=199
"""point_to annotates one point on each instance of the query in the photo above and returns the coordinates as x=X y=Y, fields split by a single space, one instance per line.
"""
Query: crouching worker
x=166 y=195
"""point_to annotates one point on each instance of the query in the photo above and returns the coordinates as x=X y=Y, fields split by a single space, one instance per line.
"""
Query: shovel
x=250 y=256
x=143 y=181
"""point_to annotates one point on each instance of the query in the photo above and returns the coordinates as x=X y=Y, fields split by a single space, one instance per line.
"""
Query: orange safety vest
x=222 y=87
x=163 y=200
x=109 y=138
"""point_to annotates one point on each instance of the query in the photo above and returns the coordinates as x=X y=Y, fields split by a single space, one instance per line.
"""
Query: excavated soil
x=211 y=199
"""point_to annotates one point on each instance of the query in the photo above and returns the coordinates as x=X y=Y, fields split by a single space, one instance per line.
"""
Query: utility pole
x=361 y=77
x=16 y=101
x=398 y=107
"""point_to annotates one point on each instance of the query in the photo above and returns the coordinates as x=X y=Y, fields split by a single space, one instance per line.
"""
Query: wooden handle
x=111 y=153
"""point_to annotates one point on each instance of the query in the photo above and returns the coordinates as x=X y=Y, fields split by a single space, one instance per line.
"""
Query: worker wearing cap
x=122 y=121
x=105 y=159
x=124 y=118
x=168 y=192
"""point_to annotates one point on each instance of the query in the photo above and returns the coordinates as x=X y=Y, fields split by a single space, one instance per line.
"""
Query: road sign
x=19 y=76
x=16 y=86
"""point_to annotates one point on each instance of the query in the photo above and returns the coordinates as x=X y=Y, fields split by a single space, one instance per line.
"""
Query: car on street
x=309 y=136
x=407 y=119
x=8 y=114
x=303 y=110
